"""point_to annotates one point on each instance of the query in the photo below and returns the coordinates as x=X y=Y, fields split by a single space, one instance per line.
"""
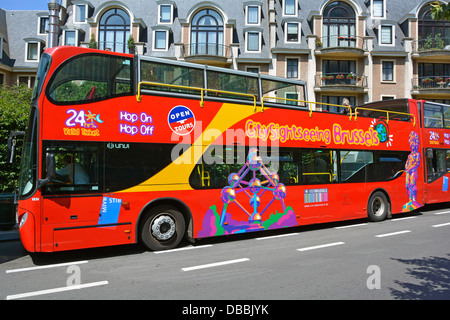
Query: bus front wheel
x=378 y=207
x=163 y=228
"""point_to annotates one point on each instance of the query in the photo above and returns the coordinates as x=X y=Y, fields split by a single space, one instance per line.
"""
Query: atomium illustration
x=254 y=189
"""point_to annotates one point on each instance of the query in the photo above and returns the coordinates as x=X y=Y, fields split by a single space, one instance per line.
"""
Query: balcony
x=431 y=84
x=208 y=53
x=346 y=46
x=432 y=48
x=342 y=82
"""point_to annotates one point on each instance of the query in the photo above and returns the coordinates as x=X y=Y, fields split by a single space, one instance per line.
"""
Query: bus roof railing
x=202 y=91
x=388 y=112
x=306 y=102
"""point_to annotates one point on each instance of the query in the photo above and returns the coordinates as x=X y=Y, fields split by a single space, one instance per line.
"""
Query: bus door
x=437 y=175
x=72 y=201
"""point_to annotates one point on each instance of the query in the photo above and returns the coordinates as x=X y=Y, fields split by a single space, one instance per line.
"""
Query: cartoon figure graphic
x=412 y=164
x=238 y=189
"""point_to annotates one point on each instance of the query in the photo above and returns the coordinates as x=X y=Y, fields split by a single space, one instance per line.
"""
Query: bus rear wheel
x=378 y=207
x=163 y=228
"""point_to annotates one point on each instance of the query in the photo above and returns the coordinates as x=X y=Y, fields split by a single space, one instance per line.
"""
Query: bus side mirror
x=50 y=168
x=12 y=141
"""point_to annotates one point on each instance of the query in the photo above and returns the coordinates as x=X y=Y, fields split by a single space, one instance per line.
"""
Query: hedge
x=14 y=112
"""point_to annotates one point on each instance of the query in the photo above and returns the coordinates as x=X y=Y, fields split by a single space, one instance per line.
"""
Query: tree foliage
x=14 y=112
x=440 y=11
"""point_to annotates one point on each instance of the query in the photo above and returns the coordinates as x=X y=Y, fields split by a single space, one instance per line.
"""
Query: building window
x=253 y=69
x=252 y=14
x=386 y=34
x=43 y=25
x=292 y=32
x=70 y=38
x=339 y=100
x=378 y=8
x=207 y=33
x=80 y=13
x=165 y=13
x=388 y=71
x=32 y=51
x=432 y=34
x=339 y=67
x=339 y=25
x=114 y=30
x=292 y=68
x=253 y=41
x=161 y=39
x=290 y=7
x=27 y=81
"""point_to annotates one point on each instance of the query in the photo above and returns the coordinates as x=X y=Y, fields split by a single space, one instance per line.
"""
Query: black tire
x=162 y=228
x=378 y=207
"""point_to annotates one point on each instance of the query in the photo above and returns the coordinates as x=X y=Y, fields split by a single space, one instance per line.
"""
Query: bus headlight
x=23 y=219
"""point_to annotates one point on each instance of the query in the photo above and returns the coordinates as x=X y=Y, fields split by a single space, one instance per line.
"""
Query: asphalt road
x=407 y=257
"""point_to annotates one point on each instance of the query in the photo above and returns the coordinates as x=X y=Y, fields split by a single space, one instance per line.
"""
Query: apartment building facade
x=362 y=50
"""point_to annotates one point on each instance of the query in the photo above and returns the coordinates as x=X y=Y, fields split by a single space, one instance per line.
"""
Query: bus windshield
x=89 y=78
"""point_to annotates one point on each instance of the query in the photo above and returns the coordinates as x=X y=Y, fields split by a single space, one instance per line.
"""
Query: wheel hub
x=163 y=227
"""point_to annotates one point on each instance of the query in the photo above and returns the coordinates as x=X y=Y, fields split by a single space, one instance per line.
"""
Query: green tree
x=440 y=11
x=14 y=112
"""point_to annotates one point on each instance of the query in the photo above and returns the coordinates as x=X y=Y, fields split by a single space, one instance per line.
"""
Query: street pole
x=53 y=23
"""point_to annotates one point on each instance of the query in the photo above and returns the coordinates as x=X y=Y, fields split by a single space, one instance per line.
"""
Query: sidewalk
x=8 y=235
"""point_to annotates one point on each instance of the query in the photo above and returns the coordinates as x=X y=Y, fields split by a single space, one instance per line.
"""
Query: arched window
x=339 y=24
x=114 y=30
x=432 y=34
x=207 y=33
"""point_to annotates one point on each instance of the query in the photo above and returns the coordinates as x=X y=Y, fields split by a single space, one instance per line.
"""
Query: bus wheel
x=162 y=228
x=378 y=207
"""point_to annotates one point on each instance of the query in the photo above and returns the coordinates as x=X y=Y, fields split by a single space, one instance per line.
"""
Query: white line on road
x=392 y=234
x=405 y=218
x=278 y=236
x=441 y=225
x=62 y=289
x=216 y=264
x=442 y=212
x=321 y=246
x=352 y=225
x=47 y=266
x=183 y=249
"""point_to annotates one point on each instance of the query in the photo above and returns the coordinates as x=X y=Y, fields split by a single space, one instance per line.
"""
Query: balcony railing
x=341 y=79
x=334 y=41
x=207 y=49
x=431 y=82
x=432 y=44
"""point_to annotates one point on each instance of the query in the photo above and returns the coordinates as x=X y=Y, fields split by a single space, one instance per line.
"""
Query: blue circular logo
x=181 y=120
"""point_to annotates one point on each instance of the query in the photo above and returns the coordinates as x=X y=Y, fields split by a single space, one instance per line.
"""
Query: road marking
x=278 y=236
x=442 y=212
x=216 y=264
x=441 y=225
x=47 y=266
x=405 y=218
x=321 y=246
x=183 y=249
x=352 y=225
x=62 y=289
x=392 y=234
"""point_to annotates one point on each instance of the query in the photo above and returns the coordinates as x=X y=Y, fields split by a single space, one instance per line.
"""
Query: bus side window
x=319 y=166
x=438 y=163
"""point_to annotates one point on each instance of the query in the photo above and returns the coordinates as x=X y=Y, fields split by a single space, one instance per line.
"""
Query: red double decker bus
x=121 y=149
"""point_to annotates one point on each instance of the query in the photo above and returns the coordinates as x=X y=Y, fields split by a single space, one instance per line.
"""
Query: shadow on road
x=430 y=279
